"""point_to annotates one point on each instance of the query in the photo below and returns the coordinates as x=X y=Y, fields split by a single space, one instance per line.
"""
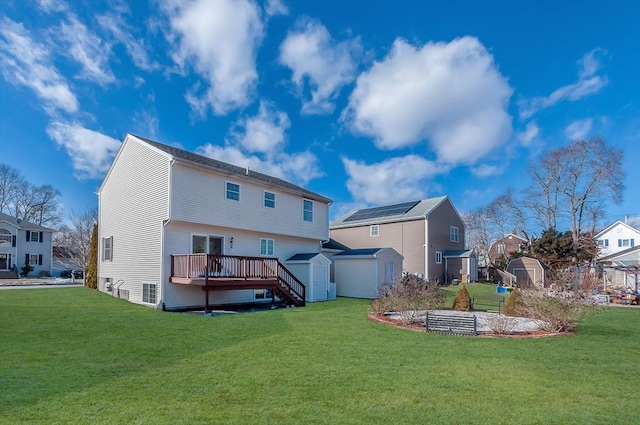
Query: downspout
x=426 y=248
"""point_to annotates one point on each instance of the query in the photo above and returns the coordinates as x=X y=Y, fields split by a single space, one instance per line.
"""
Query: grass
x=74 y=355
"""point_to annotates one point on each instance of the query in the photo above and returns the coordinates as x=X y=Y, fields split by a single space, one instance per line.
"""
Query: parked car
x=77 y=274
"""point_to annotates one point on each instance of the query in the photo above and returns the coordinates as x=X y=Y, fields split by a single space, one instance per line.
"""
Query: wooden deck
x=231 y=272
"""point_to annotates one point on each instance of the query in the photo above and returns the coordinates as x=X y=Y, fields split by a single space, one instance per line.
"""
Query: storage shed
x=461 y=265
x=359 y=273
x=529 y=271
x=313 y=270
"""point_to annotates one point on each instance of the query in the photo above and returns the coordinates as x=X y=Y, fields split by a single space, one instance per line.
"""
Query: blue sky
x=366 y=102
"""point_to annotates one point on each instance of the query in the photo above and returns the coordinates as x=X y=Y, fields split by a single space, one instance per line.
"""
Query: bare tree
x=477 y=227
x=506 y=214
x=22 y=200
x=73 y=243
x=543 y=195
x=585 y=174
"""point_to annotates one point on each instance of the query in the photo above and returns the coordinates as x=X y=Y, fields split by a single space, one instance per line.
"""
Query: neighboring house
x=530 y=273
x=21 y=243
x=622 y=269
x=505 y=246
x=617 y=237
x=421 y=231
x=361 y=272
x=178 y=230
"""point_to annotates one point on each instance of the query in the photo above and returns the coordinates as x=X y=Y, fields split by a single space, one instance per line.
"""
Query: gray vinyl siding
x=133 y=202
x=198 y=196
x=439 y=222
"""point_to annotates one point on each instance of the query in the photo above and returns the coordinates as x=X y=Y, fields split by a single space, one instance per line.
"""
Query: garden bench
x=487 y=300
x=451 y=324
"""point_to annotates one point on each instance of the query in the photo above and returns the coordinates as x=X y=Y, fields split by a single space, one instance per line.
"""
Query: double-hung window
x=374 y=230
x=453 y=234
x=500 y=248
x=233 y=191
x=269 y=199
x=107 y=249
x=438 y=257
x=266 y=247
x=307 y=210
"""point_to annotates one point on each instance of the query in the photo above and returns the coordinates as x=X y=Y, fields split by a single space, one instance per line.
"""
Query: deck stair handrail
x=215 y=266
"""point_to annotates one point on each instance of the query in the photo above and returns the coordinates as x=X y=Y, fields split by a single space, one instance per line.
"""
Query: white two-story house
x=24 y=243
x=616 y=237
x=179 y=230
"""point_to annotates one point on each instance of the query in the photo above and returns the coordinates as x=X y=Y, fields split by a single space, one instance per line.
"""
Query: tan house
x=179 y=230
x=422 y=232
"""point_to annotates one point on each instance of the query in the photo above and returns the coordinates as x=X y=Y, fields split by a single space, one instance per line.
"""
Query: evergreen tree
x=91 y=279
x=463 y=300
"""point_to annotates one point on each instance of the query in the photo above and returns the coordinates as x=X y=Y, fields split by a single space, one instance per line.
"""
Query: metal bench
x=451 y=324
x=487 y=300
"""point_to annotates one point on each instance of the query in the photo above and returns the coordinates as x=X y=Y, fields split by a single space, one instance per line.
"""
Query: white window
x=438 y=257
x=5 y=236
x=107 y=249
x=374 y=230
x=269 y=200
x=307 y=210
x=500 y=248
x=453 y=234
x=626 y=242
x=233 y=191
x=33 y=259
x=263 y=294
x=35 y=237
x=266 y=247
x=149 y=292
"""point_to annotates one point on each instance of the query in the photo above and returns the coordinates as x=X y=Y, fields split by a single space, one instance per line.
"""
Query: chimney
x=626 y=219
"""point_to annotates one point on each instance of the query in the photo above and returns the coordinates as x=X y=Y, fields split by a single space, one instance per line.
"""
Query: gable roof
x=390 y=213
x=230 y=169
x=619 y=254
x=23 y=224
x=459 y=253
x=613 y=225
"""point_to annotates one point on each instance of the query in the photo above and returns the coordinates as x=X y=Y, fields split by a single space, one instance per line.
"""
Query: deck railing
x=212 y=267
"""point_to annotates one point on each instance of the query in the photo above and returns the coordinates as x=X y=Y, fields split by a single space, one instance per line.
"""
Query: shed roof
x=226 y=168
x=303 y=257
x=334 y=245
x=459 y=253
x=389 y=213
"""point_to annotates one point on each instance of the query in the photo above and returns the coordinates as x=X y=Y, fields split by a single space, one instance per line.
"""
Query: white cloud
x=264 y=132
x=52 y=5
x=486 y=170
x=299 y=168
x=588 y=83
x=219 y=40
x=325 y=66
x=27 y=62
x=121 y=32
x=91 y=152
x=529 y=134
x=450 y=94
x=276 y=7
x=579 y=129
x=88 y=50
x=392 y=180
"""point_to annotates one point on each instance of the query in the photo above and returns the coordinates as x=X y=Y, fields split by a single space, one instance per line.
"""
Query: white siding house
x=163 y=209
x=616 y=237
x=24 y=243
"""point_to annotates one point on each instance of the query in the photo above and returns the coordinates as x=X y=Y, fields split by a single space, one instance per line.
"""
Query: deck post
x=206 y=300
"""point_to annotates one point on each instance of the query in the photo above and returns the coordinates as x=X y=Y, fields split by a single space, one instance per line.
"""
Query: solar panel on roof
x=385 y=211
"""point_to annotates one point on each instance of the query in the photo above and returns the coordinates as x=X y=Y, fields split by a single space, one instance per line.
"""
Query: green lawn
x=77 y=356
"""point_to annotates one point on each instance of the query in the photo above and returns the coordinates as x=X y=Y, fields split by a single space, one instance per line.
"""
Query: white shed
x=313 y=270
x=359 y=273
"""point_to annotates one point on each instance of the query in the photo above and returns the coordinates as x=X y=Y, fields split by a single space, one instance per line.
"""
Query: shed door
x=389 y=272
x=320 y=283
x=526 y=277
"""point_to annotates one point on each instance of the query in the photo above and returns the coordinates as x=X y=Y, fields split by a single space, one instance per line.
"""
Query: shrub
x=463 y=300
x=502 y=325
x=515 y=305
x=560 y=312
x=25 y=270
x=408 y=297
